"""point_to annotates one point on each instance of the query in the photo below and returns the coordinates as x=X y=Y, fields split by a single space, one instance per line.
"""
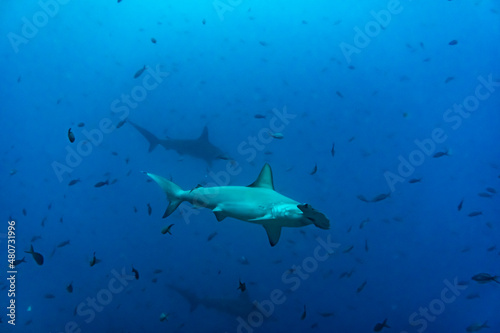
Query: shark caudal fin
x=152 y=139
x=173 y=191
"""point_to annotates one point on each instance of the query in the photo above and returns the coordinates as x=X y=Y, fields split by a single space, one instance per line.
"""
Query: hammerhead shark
x=200 y=148
x=256 y=203
x=238 y=306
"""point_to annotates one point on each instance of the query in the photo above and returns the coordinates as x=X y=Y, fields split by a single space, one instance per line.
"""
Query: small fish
x=49 y=207
x=440 y=154
x=278 y=136
x=211 y=236
x=339 y=94
x=25 y=212
x=71 y=136
x=366 y=245
x=166 y=230
x=491 y=248
x=69 y=287
x=37 y=256
x=483 y=278
x=380 y=197
x=149 y=210
x=139 y=72
x=349 y=249
x=361 y=287
x=101 y=184
x=81 y=124
x=453 y=42
x=241 y=286
x=484 y=195
x=314 y=170
x=263 y=43
x=121 y=123
x=449 y=79
x=475 y=213
x=477 y=327
x=204 y=21
x=93 y=261
x=460 y=205
x=157 y=271
x=326 y=314
x=73 y=182
x=164 y=317
x=379 y=326
x=63 y=244
x=136 y=273
x=19 y=261
x=259 y=116
x=362 y=198
x=362 y=224
x=491 y=190
x=35 y=238
x=333 y=150
x=414 y=180
x=304 y=314
x=49 y=296
x=472 y=296
x=153 y=40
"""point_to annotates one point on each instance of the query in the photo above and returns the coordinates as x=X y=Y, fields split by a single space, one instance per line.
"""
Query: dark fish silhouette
x=483 y=278
x=94 y=260
x=37 y=256
x=304 y=314
x=166 y=230
x=476 y=213
x=136 y=273
x=379 y=326
x=314 y=170
x=69 y=287
x=241 y=286
x=200 y=148
x=101 y=184
x=71 y=136
x=18 y=261
x=139 y=72
x=63 y=244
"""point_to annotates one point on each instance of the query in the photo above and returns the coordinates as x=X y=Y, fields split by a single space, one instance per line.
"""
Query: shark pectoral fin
x=219 y=215
x=172 y=206
x=273 y=233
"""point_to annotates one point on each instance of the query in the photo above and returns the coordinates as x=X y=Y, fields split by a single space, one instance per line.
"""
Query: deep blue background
x=250 y=59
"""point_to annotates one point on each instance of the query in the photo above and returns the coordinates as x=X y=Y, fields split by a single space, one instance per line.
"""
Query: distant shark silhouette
x=200 y=148
x=239 y=306
x=257 y=203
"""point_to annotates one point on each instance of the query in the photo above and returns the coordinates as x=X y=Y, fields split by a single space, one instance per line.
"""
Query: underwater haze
x=339 y=163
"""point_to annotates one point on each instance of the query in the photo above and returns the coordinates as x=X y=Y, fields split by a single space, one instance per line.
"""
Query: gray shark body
x=200 y=148
x=239 y=306
x=257 y=203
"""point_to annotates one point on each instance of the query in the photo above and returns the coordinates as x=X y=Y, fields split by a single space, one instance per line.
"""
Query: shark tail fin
x=152 y=139
x=173 y=191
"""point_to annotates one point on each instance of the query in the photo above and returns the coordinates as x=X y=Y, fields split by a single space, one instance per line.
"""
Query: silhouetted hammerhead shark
x=200 y=148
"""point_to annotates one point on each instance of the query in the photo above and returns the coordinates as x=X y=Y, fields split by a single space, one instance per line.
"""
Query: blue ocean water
x=382 y=115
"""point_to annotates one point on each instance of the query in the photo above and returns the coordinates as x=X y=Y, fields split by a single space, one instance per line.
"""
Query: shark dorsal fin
x=204 y=134
x=265 y=179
